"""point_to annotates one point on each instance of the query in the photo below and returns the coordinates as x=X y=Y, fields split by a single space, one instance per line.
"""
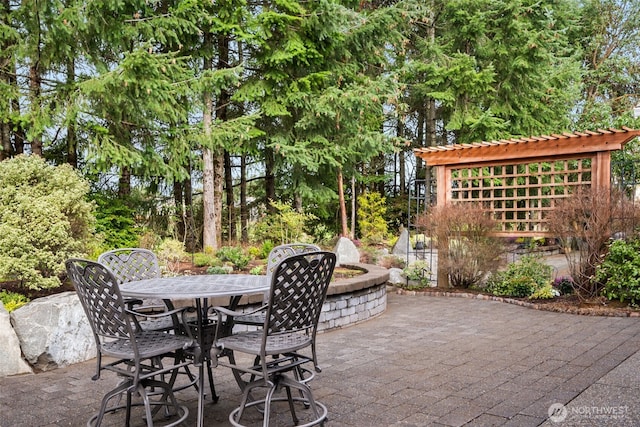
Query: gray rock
x=395 y=276
x=400 y=248
x=346 y=251
x=54 y=331
x=11 y=362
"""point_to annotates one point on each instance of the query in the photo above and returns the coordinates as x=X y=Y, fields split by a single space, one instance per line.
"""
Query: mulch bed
x=562 y=304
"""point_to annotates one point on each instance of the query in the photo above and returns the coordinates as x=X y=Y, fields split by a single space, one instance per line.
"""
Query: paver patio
x=427 y=361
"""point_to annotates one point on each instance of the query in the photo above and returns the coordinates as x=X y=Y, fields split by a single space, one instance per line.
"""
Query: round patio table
x=200 y=288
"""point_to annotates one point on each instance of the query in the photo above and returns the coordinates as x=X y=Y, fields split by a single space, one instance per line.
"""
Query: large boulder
x=400 y=248
x=11 y=362
x=346 y=252
x=54 y=332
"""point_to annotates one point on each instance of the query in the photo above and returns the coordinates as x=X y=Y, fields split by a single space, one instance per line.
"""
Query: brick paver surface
x=427 y=361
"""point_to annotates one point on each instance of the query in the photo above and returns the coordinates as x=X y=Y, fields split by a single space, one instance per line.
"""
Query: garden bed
x=563 y=304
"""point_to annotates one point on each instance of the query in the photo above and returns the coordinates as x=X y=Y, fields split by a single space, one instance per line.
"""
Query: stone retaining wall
x=349 y=301
x=341 y=310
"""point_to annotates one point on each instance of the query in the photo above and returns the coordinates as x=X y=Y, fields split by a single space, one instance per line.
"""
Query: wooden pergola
x=521 y=179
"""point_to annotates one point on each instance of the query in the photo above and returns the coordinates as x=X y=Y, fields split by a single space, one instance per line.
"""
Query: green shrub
x=419 y=273
x=267 y=246
x=204 y=260
x=234 y=255
x=115 y=224
x=564 y=285
x=218 y=270
x=620 y=272
x=44 y=220
x=12 y=300
x=257 y=270
x=545 y=292
x=287 y=225
x=521 y=279
x=170 y=253
x=373 y=227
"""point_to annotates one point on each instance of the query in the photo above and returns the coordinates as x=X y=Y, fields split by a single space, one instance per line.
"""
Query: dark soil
x=564 y=303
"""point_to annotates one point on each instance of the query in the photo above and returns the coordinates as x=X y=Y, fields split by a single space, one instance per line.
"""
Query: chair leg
x=214 y=395
x=292 y=408
x=121 y=388
x=279 y=381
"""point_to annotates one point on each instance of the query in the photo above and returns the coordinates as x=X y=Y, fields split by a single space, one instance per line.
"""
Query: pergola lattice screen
x=520 y=195
x=522 y=179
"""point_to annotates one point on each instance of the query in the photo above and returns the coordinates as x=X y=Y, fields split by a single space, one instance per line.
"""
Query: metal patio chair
x=138 y=354
x=276 y=255
x=298 y=289
x=130 y=264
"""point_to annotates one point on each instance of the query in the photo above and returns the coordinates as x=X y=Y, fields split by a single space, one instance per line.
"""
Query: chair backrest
x=129 y=264
x=298 y=290
x=281 y=252
x=99 y=294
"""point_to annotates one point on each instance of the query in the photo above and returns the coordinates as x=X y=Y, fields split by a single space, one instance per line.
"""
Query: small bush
x=521 y=279
x=170 y=253
x=620 y=272
x=373 y=227
x=219 y=270
x=564 y=285
x=284 y=226
x=234 y=255
x=201 y=259
x=418 y=272
x=12 y=300
x=257 y=270
x=545 y=292
x=466 y=250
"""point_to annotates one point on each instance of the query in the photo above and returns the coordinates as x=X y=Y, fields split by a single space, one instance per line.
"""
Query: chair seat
x=150 y=344
x=159 y=324
x=251 y=342
x=250 y=319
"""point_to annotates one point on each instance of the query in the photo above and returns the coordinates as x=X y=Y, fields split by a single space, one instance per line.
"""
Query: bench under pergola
x=521 y=179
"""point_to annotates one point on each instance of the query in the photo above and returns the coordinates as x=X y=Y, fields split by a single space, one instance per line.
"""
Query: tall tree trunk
x=209 y=221
x=183 y=198
x=191 y=241
x=72 y=140
x=178 y=200
x=6 y=69
x=269 y=179
x=400 y=131
x=420 y=142
x=228 y=179
x=35 y=88
x=218 y=191
x=124 y=183
x=244 y=209
x=222 y=114
x=353 y=207
x=343 y=208
x=430 y=118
